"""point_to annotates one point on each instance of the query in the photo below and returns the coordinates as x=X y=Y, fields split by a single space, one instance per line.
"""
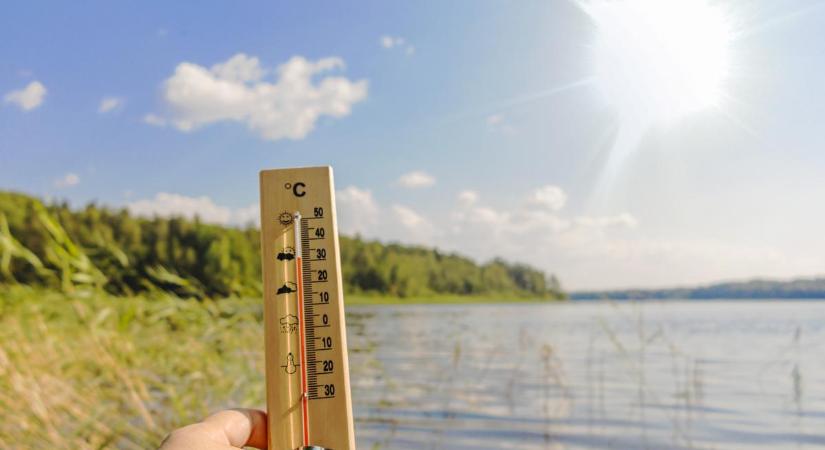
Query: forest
x=54 y=246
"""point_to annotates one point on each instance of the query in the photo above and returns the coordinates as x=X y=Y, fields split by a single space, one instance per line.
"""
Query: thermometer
x=307 y=373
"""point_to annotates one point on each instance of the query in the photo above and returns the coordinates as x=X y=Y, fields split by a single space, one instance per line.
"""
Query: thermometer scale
x=307 y=372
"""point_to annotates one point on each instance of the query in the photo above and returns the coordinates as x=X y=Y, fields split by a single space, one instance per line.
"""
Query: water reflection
x=589 y=375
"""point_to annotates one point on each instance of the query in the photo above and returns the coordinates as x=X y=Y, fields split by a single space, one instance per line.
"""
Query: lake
x=677 y=374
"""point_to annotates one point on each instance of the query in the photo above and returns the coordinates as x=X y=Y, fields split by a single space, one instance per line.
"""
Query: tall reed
x=92 y=371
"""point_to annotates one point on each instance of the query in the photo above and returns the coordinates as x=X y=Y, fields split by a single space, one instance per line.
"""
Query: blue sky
x=474 y=126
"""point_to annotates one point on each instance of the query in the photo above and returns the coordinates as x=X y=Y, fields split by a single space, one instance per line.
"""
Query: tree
x=101 y=248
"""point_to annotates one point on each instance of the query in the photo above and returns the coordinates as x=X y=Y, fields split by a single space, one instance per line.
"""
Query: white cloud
x=152 y=119
x=468 y=197
x=578 y=249
x=416 y=179
x=584 y=250
x=248 y=215
x=239 y=69
x=360 y=213
x=407 y=217
x=410 y=226
x=540 y=222
x=236 y=90
x=66 y=181
x=483 y=219
x=551 y=197
x=175 y=205
x=357 y=210
x=28 y=98
x=109 y=104
x=389 y=42
x=619 y=220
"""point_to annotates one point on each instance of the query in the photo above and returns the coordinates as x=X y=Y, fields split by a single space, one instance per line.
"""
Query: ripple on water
x=589 y=375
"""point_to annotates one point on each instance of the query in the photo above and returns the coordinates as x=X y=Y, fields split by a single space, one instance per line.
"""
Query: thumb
x=240 y=427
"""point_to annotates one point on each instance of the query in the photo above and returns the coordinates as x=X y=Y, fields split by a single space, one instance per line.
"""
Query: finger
x=240 y=427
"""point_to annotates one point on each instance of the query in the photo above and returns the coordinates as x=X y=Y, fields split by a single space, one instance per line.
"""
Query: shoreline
x=365 y=299
x=16 y=291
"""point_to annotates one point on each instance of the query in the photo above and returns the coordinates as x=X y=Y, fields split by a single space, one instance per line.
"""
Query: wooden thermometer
x=307 y=373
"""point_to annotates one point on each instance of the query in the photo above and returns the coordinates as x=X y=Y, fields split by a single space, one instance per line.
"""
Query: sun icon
x=285 y=218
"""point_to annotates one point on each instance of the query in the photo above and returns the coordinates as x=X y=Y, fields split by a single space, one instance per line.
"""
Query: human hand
x=224 y=430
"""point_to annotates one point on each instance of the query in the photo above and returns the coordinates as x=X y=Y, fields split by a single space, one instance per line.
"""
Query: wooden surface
x=328 y=404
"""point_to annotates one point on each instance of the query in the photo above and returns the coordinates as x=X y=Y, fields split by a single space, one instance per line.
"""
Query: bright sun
x=659 y=60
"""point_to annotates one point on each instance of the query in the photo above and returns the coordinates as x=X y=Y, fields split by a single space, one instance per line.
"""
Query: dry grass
x=94 y=371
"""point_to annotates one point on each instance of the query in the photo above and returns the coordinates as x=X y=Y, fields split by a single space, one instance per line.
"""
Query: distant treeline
x=57 y=247
x=811 y=288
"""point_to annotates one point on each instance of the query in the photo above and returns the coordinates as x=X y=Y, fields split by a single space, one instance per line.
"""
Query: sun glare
x=659 y=60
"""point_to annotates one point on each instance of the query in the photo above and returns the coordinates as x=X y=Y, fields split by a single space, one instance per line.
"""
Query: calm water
x=589 y=375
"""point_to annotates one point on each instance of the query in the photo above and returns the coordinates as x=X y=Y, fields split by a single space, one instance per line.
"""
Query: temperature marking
x=309 y=311
x=297 y=225
x=320 y=276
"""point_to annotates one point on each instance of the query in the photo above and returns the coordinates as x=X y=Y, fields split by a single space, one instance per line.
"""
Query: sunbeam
x=777 y=21
x=527 y=98
x=520 y=100
x=656 y=62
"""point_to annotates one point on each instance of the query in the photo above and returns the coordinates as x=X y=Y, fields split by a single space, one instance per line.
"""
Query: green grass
x=94 y=371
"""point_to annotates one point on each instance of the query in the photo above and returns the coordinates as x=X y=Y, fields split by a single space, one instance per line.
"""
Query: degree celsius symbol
x=297 y=188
